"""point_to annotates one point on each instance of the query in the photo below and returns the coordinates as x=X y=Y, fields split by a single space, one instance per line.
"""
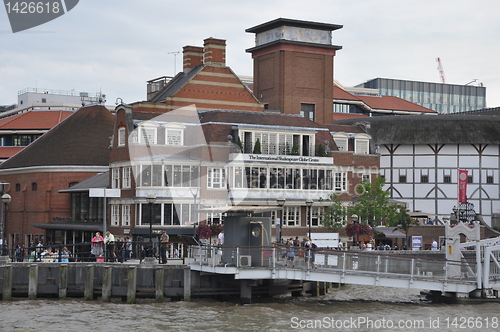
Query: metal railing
x=82 y=252
x=347 y=262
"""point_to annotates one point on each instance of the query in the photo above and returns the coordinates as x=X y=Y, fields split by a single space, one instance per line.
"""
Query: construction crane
x=441 y=71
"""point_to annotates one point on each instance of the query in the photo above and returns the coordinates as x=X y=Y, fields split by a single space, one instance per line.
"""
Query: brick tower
x=293 y=67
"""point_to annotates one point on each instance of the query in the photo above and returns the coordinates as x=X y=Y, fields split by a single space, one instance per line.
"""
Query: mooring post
x=7 y=283
x=88 y=294
x=107 y=278
x=245 y=292
x=159 y=284
x=33 y=282
x=131 y=285
x=187 y=283
x=63 y=281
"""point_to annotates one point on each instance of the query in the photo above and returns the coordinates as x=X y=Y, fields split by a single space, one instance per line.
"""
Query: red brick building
x=73 y=151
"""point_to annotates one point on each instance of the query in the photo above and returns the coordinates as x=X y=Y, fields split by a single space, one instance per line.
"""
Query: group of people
x=115 y=252
x=295 y=245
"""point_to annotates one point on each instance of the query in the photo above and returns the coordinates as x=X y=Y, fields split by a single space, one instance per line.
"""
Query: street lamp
x=281 y=201
x=151 y=199
x=355 y=219
x=309 y=203
x=194 y=192
x=6 y=198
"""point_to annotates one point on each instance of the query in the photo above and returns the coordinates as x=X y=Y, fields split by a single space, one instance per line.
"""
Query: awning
x=70 y=226
x=390 y=233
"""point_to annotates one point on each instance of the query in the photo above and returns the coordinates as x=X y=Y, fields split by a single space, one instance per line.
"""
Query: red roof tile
x=34 y=120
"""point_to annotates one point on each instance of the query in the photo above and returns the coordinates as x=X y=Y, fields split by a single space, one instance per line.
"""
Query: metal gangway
x=478 y=270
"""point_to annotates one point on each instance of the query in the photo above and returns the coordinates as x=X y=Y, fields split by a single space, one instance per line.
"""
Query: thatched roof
x=427 y=129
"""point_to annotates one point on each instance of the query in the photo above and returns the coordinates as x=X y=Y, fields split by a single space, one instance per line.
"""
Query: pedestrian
x=65 y=255
x=164 y=238
x=127 y=249
x=97 y=242
x=109 y=242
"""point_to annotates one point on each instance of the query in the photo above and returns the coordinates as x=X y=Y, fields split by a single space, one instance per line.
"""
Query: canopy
x=389 y=232
x=420 y=214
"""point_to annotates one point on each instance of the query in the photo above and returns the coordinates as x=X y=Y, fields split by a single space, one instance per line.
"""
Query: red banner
x=462 y=185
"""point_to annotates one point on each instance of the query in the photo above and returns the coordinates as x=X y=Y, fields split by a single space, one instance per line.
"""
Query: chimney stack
x=192 y=57
x=214 y=52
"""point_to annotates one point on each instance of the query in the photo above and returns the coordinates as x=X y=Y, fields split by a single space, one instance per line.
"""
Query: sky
x=115 y=46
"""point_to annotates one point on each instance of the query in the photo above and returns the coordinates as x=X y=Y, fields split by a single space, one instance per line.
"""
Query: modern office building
x=440 y=97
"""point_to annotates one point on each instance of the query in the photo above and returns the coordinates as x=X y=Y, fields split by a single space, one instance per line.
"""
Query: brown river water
x=350 y=308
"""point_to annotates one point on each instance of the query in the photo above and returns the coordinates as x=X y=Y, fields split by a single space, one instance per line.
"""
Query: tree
x=295 y=148
x=240 y=145
x=334 y=215
x=372 y=205
x=403 y=221
x=256 y=148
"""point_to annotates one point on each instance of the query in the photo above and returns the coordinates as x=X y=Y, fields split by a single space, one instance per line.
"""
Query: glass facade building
x=440 y=97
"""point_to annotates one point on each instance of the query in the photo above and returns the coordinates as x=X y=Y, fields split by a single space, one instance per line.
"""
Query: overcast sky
x=117 y=45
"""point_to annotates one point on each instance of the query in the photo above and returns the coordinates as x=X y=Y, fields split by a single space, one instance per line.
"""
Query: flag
x=462 y=185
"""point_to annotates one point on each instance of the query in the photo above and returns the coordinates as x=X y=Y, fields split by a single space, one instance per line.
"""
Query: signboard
x=103 y=192
x=325 y=240
x=416 y=242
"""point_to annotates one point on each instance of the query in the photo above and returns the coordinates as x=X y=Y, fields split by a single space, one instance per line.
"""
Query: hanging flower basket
x=216 y=229
x=203 y=232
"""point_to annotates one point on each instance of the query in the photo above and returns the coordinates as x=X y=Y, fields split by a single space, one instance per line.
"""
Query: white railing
x=347 y=262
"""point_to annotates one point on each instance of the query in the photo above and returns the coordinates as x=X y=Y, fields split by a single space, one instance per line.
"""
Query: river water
x=350 y=308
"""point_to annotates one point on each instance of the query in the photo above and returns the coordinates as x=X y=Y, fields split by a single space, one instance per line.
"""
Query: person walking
x=291 y=254
x=127 y=249
x=109 y=242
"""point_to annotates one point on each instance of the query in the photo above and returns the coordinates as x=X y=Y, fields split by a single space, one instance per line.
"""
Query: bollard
x=131 y=285
x=89 y=283
x=107 y=278
x=63 y=281
x=187 y=283
x=159 y=284
x=33 y=282
x=7 y=283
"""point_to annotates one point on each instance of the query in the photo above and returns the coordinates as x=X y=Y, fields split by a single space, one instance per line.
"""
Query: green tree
x=256 y=148
x=402 y=221
x=240 y=145
x=295 y=148
x=334 y=215
x=372 y=205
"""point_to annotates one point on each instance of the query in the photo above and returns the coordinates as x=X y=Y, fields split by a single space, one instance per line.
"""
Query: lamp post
x=6 y=198
x=194 y=192
x=281 y=201
x=151 y=199
x=309 y=203
x=355 y=219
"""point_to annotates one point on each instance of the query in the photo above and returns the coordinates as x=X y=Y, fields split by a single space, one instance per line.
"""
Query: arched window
x=18 y=187
x=34 y=186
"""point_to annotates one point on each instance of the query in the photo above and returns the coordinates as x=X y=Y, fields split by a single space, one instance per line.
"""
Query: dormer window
x=361 y=144
x=147 y=133
x=174 y=134
x=341 y=140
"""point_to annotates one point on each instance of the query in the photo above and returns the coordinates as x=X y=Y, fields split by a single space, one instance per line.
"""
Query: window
x=361 y=146
x=147 y=133
x=174 y=134
x=424 y=178
x=341 y=140
x=340 y=182
x=125 y=215
x=121 y=136
x=447 y=179
x=115 y=215
x=278 y=143
x=34 y=186
x=115 y=178
x=127 y=180
x=470 y=179
x=174 y=137
x=216 y=178
x=402 y=179
x=316 y=216
x=307 y=111
x=489 y=179
x=18 y=187
x=291 y=216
